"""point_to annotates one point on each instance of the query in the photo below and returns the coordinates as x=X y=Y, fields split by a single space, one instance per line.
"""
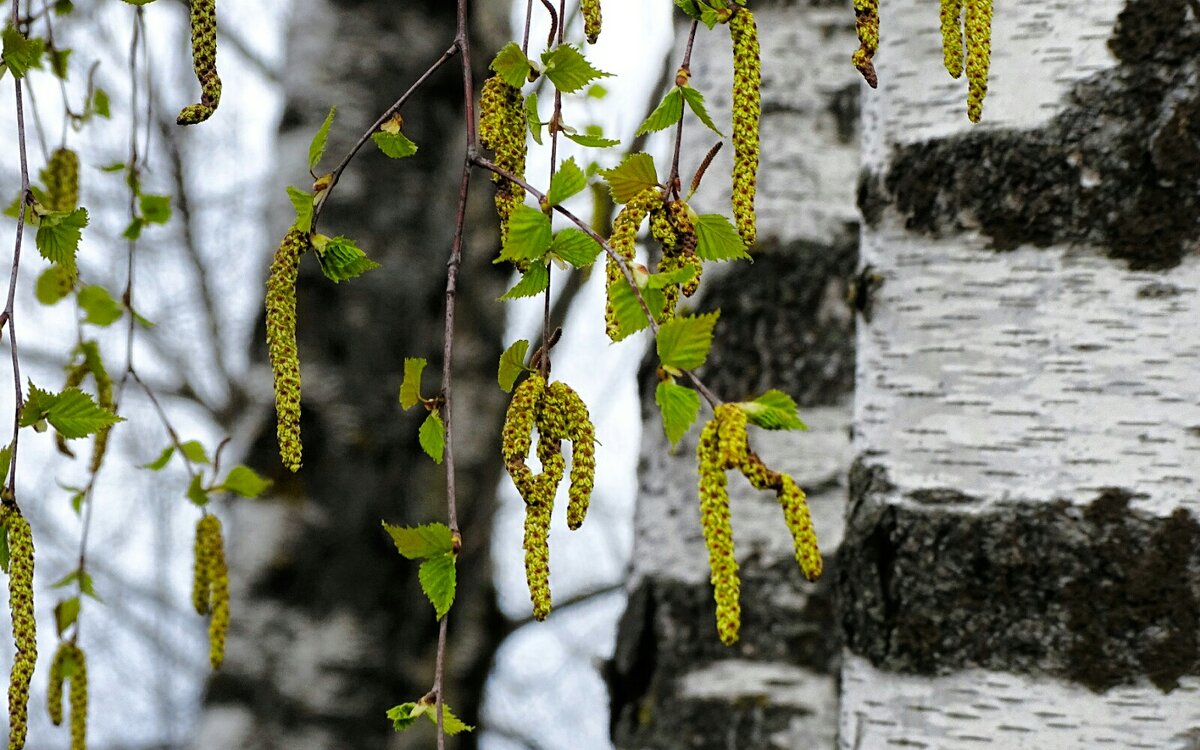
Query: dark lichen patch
x=1102 y=594
x=1158 y=290
x=1115 y=170
x=942 y=496
x=668 y=631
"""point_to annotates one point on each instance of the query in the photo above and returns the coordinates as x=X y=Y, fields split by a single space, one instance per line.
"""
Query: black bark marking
x=1100 y=594
x=1116 y=169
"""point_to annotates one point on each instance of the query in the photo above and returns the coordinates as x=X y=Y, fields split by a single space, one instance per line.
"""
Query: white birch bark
x=1045 y=396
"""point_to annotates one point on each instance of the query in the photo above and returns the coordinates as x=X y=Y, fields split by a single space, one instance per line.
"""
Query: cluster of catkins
x=671 y=226
x=723 y=446
x=557 y=413
x=70 y=664
x=210 y=585
x=24 y=627
x=623 y=243
x=204 y=63
x=973 y=16
x=502 y=128
x=281 y=343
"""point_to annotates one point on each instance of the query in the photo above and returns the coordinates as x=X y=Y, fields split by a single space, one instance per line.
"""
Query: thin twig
x=685 y=70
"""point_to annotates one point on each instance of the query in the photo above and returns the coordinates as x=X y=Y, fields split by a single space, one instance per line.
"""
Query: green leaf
x=512 y=364
x=774 y=410
x=66 y=580
x=116 y=166
x=597 y=91
x=58 y=236
x=695 y=100
x=196 y=492
x=419 y=542
x=451 y=724
x=159 y=463
x=402 y=717
x=66 y=613
x=679 y=407
x=396 y=145
x=77 y=497
x=72 y=413
x=410 y=387
x=437 y=576
x=59 y=60
x=531 y=116
x=87 y=587
x=512 y=65
x=134 y=230
x=528 y=235
x=432 y=436
x=100 y=103
x=303 y=203
x=688 y=7
x=156 y=209
x=717 y=239
x=98 y=306
x=5 y=463
x=244 y=481
x=592 y=140
x=569 y=180
x=341 y=259
x=53 y=285
x=533 y=282
x=576 y=247
x=666 y=278
x=316 y=149
x=21 y=54
x=684 y=342
x=630 y=177
x=668 y=112
x=568 y=70
x=194 y=451
x=631 y=318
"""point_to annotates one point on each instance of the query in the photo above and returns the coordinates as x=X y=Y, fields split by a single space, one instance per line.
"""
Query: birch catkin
x=62 y=181
x=502 y=128
x=718 y=533
x=202 y=566
x=20 y=602
x=978 y=24
x=747 y=110
x=623 y=242
x=218 y=574
x=795 y=512
x=70 y=665
x=866 y=22
x=591 y=19
x=281 y=344
x=204 y=62
x=952 y=37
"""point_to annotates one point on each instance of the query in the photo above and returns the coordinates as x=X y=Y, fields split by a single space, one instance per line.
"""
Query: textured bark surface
x=1019 y=568
x=784 y=324
x=329 y=627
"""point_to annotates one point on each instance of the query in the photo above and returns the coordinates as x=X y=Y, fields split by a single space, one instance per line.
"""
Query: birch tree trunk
x=784 y=324
x=1022 y=558
x=329 y=626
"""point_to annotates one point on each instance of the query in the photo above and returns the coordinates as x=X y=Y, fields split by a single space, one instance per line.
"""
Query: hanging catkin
x=281 y=344
x=747 y=110
x=204 y=62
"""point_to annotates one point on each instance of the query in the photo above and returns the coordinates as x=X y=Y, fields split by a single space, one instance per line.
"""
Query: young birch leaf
x=5 y=464
x=630 y=177
x=74 y=414
x=591 y=140
x=512 y=364
x=58 y=236
x=684 y=342
x=194 y=451
x=341 y=259
x=450 y=723
x=410 y=387
x=528 y=235
x=21 y=54
x=631 y=318
x=98 y=306
x=667 y=113
x=418 y=542
x=155 y=209
x=196 y=492
x=774 y=410
x=316 y=149
x=569 y=180
x=666 y=278
x=66 y=613
x=531 y=116
x=402 y=717
x=432 y=436
x=160 y=463
x=244 y=481
x=87 y=586
x=532 y=283
x=303 y=203
x=576 y=248
x=37 y=405
x=717 y=239
x=437 y=576
x=396 y=145
x=695 y=101
x=568 y=70
x=512 y=65
x=679 y=407
x=53 y=285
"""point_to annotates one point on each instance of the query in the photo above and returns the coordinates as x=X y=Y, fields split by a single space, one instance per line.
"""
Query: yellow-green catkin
x=623 y=242
x=978 y=24
x=218 y=574
x=537 y=551
x=202 y=566
x=866 y=21
x=582 y=434
x=747 y=110
x=732 y=442
x=681 y=219
x=54 y=693
x=516 y=438
x=79 y=700
x=502 y=129
x=718 y=533
x=281 y=344
x=795 y=512
x=204 y=62
x=62 y=181
x=591 y=19
x=24 y=627
x=104 y=392
x=952 y=36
